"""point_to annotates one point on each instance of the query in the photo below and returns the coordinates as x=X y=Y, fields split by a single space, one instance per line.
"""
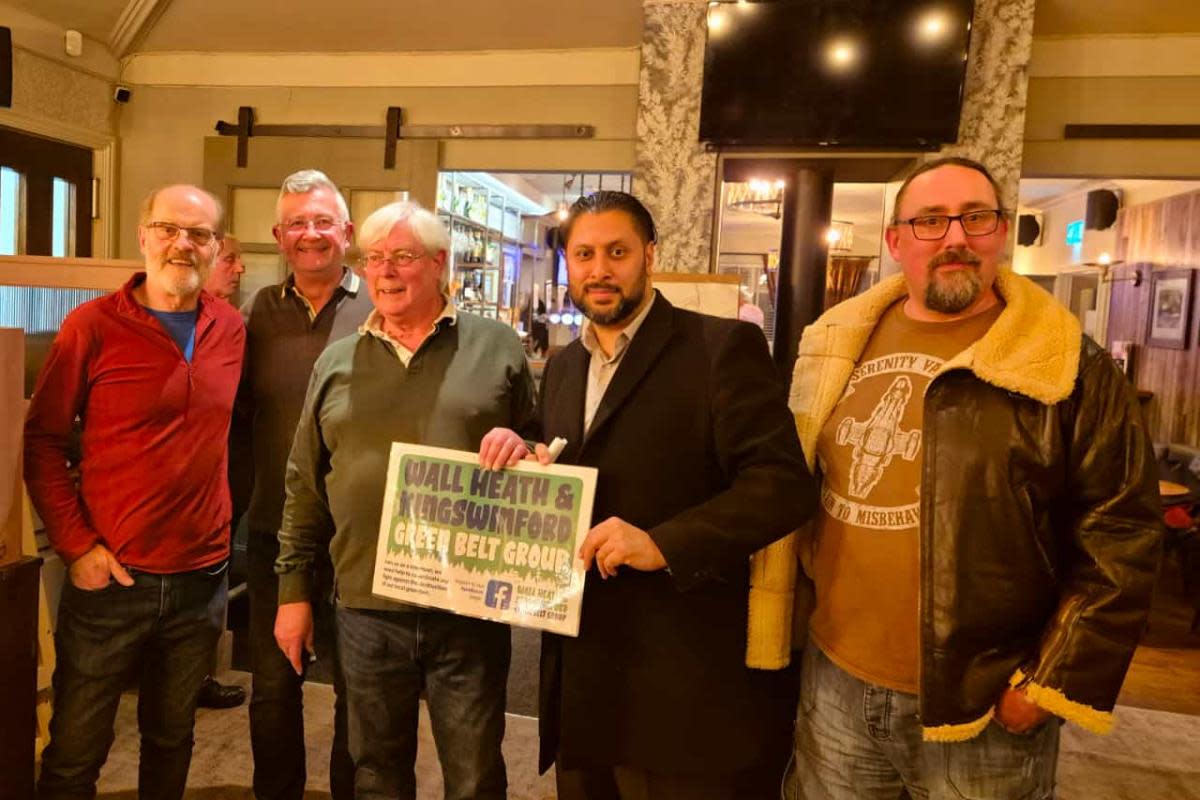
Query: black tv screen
x=866 y=73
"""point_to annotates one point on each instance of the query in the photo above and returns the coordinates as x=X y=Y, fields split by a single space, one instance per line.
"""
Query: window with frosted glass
x=10 y=211
x=62 y=231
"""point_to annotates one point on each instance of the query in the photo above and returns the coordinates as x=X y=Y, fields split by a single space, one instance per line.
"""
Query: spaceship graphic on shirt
x=877 y=440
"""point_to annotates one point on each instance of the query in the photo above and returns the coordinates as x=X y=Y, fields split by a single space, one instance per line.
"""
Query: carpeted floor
x=1152 y=755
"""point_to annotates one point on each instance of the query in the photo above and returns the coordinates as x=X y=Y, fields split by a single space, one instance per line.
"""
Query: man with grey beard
x=151 y=372
x=989 y=528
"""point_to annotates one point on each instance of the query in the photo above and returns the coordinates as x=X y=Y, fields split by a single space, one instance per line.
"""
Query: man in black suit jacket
x=699 y=466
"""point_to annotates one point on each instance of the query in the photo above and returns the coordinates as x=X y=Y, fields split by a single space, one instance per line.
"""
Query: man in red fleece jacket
x=150 y=373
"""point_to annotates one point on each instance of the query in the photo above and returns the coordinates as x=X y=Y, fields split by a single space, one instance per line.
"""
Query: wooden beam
x=66 y=273
x=1131 y=132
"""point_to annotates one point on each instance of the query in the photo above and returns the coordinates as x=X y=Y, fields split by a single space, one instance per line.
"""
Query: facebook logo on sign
x=498 y=595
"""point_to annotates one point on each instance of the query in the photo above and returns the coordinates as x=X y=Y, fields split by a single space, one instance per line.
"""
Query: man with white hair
x=287 y=326
x=151 y=371
x=226 y=275
x=420 y=372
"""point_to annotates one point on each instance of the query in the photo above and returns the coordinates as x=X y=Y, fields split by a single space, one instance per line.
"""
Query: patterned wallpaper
x=675 y=177
x=44 y=88
x=992 y=128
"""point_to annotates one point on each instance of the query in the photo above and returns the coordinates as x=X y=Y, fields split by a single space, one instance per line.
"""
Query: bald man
x=151 y=370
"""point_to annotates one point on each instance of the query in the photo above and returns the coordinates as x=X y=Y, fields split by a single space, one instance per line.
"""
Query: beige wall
x=51 y=87
x=162 y=129
x=1130 y=79
x=1056 y=102
x=67 y=99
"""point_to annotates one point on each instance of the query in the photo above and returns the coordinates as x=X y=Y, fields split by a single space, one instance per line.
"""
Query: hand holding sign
x=500 y=448
x=614 y=543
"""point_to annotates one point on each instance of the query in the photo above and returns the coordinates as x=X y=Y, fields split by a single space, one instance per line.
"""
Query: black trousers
x=276 y=697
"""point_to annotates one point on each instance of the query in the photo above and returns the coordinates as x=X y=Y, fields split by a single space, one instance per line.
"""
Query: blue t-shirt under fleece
x=182 y=327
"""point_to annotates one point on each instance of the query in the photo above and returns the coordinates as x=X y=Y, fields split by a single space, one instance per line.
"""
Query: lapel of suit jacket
x=566 y=416
x=643 y=351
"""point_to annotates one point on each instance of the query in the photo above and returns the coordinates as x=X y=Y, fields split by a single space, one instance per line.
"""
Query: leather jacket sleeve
x=1111 y=545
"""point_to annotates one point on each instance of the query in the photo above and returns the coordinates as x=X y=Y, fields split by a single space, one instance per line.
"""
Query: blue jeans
x=277 y=692
x=388 y=657
x=855 y=740
x=163 y=630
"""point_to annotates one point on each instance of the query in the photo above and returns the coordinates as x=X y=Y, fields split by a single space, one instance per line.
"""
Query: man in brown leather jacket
x=990 y=528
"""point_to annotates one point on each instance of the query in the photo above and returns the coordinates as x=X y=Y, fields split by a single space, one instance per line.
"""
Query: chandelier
x=756 y=196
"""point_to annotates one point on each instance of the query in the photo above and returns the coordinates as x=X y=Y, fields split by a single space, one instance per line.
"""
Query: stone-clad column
x=992 y=127
x=676 y=177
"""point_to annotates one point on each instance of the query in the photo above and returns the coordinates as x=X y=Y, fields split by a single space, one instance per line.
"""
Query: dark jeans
x=461 y=663
x=277 y=697
x=162 y=628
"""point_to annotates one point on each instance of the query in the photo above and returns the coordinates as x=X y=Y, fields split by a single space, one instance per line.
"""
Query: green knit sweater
x=465 y=379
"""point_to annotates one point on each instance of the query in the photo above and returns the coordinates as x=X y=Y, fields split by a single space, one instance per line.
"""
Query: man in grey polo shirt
x=288 y=325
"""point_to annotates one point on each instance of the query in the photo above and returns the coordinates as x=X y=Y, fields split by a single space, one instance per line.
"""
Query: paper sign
x=495 y=544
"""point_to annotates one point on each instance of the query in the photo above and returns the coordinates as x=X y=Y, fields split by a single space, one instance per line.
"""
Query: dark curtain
x=843 y=277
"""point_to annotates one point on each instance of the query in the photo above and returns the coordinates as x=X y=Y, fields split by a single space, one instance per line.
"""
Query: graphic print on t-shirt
x=879 y=438
x=880 y=441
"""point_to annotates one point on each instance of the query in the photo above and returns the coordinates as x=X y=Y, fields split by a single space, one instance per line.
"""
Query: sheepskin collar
x=1032 y=348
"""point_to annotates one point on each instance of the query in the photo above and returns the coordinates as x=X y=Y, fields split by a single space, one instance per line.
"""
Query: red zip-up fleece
x=152 y=484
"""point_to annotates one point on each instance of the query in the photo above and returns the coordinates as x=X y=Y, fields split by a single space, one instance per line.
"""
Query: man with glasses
x=989 y=532
x=150 y=373
x=419 y=371
x=287 y=326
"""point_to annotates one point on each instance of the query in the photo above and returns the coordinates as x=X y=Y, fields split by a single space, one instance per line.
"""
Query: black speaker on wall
x=1102 y=206
x=6 y=80
x=1029 y=230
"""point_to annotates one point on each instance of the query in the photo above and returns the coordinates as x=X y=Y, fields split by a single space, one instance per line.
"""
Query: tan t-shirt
x=866 y=562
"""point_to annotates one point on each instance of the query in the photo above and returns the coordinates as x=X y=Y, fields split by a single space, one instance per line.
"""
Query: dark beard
x=625 y=307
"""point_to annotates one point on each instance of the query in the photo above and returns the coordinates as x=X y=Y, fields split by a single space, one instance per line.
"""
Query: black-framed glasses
x=397 y=258
x=930 y=227
x=169 y=232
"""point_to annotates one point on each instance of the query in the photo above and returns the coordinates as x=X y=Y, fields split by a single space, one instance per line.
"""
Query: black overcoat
x=694 y=444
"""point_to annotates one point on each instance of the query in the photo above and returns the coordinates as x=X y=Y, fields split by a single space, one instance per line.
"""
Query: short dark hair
x=607 y=200
x=946 y=161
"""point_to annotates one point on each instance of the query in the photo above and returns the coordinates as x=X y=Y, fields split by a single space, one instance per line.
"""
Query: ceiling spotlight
x=716 y=18
x=842 y=54
x=562 y=210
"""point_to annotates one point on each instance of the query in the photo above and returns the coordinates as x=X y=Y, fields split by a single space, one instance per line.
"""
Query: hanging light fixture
x=758 y=196
x=840 y=236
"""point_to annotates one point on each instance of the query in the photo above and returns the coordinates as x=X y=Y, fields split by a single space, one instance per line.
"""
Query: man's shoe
x=214 y=695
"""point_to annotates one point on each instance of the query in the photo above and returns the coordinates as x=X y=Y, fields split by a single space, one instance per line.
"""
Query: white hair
x=424 y=224
x=308 y=180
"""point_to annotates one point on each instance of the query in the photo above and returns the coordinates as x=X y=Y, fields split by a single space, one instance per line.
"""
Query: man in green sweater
x=421 y=372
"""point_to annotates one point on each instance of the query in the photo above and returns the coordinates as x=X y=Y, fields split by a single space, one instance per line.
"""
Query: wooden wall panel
x=1156 y=236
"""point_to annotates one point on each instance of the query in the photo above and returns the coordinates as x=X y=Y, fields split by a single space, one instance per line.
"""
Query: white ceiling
x=414 y=25
x=301 y=26
x=93 y=18
x=1097 y=17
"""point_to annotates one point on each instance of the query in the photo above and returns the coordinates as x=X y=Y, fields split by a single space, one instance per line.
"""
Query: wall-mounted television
x=858 y=73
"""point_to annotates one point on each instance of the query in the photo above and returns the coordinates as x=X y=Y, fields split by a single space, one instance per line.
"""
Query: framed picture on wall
x=1170 y=308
